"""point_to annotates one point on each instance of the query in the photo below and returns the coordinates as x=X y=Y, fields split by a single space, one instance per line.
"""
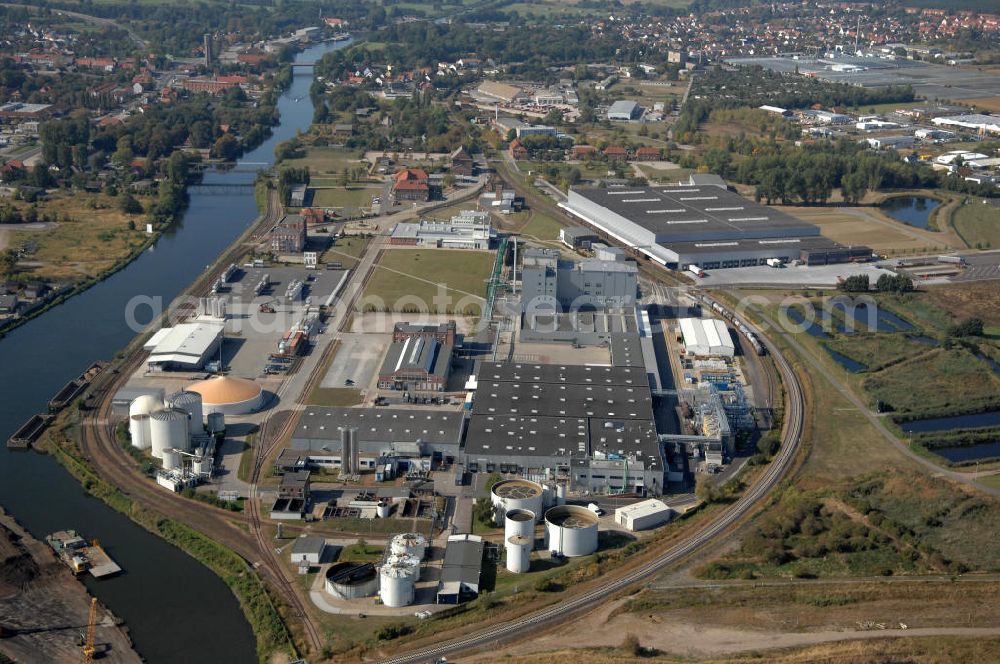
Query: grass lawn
x=91 y=236
x=542 y=226
x=361 y=552
x=334 y=397
x=347 y=202
x=410 y=279
x=347 y=249
x=978 y=225
x=326 y=160
x=875 y=350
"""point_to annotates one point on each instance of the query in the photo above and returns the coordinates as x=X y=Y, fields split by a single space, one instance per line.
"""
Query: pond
x=850 y=364
x=969 y=452
x=978 y=420
x=911 y=210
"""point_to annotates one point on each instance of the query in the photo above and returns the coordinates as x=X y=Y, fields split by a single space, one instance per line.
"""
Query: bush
x=971 y=327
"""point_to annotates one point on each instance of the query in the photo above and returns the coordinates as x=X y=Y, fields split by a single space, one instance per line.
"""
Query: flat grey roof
x=417 y=353
x=626 y=350
x=381 y=424
x=566 y=374
x=628 y=402
x=463 y=562
x=778 y=243
x=680 y=211
x=309 y=545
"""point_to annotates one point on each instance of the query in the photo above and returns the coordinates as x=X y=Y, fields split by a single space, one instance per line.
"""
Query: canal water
x=912 y=210
x=177 y=609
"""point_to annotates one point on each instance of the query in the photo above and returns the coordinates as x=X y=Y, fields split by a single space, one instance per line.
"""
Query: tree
x=227 y=147
x=856 y=283
x=129 y=205
x=706 y=491
x=8 y=262
x=632 y=647
x=970 y=327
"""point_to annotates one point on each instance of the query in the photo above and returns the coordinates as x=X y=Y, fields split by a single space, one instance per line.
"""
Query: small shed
x=308 y=550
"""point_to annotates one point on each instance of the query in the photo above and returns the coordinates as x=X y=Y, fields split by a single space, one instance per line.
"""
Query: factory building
x=643 y=515
x=289 y=235
x=592 y=425
x=461 y=569
x=184 y=347
x=549 y=283
x=380 y=432
x=444 y=333
x=625 y=110
x=466 y=230
x=577 y=237
x=706 y=337
x=696 y=224
x=417 y=364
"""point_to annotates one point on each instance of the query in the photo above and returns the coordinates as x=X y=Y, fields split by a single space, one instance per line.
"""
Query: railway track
x=731 y=516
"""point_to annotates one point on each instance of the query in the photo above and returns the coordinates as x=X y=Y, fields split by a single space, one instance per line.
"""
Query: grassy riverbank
x=259 y=607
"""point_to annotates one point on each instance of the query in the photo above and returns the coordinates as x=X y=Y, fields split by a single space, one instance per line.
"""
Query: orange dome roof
x=226 y=390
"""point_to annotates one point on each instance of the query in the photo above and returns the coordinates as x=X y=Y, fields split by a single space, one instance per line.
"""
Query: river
x=177 y=609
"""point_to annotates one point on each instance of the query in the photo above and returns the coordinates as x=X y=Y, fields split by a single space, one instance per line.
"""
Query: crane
x=88 y=644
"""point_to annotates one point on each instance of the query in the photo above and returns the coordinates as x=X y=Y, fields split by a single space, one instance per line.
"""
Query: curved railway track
x=775 y=472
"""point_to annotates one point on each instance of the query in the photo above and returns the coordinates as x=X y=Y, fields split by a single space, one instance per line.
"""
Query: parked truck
x=696 y=271
x=953 y=260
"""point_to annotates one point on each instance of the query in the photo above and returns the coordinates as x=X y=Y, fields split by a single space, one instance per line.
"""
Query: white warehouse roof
x=706 y=336
x=645 y=514
x=187 y=342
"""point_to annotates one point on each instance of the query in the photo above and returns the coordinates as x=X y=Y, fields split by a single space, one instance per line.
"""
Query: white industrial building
x=643 y=515
x=467 y=230
x=185 y=347
x=706 y=337
x=975 y=121
x=308 y=550
x=625 y=110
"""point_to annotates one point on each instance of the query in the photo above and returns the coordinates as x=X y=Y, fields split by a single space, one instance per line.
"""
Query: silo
x=561 y=493
x=548 y=495
x=516 y=494
x=168 y=428
x=519 y=522
x=138 y=431
x=383 y=509
x=216 y=423
x=518 y=554
x=190 y=403
x=144 y=405
x=202 y=465
x=406 y=559
x=396 y=579
x=571 y=530
x=409 y=544
x=172 y=459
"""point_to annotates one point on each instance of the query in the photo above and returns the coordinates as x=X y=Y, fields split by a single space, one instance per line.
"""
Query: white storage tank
x=519 y=522
x=202 y=465
x=144 y=405
x=560 y=493
x=351 y=580
x=518 y=554
x=571 y=530
x=190 y=403
x=412 y=561
x=172 y=459
x=138 y=431
x=548 y=495
x=409 y=544
x=395 y=581
x=216 y=423
x=383 y=509
x=516 y=494
x=168 y=428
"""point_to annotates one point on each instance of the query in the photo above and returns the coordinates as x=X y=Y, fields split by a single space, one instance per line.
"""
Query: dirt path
x=601 y=629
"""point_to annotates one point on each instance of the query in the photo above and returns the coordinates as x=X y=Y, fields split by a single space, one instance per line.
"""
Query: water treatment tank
x=406 y=559
x=138 y=431
x=216 y=423
x=351 y=580
x=383 y=509
x=409 y=544
x=519 y=522
x=518 y=554
x=571 y=530
x=168 y=428
x=172 y=459
x=516 y=494
x=396 y=579
x=561 y=493
x=189 y=402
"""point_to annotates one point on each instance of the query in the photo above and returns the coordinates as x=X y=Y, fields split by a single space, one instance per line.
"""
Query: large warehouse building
x=185 y=347
x=704 y=225
x=549 y=283
x=706 y=337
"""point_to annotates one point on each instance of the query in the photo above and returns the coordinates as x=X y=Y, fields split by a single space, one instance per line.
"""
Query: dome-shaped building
x=144 y=405
x=229 y=395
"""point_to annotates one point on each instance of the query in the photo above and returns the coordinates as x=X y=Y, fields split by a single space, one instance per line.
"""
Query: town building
x=501 y=201
x=501 y=92
x=549 y=283
x=706 y=337
x=295 y=485
x=444 y=333
x=289 y=235
x=517 y=150
x=461 y=163
x=411 y=184
x=308 y=550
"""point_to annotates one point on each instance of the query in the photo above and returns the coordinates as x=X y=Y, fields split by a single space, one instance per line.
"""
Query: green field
x=346 y=249
x=542 y=226
x=323 y=160
x=876 y=350
x=334 y=397
x=978 y=225
x=409 y=280
x=348 y=202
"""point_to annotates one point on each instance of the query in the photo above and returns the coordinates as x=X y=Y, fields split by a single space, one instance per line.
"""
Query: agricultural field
x=862 y=225
x=978 y=224
x=90 y=236
x=411 y=279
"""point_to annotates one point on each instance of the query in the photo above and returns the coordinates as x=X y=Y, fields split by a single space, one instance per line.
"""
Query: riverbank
x=43 y=608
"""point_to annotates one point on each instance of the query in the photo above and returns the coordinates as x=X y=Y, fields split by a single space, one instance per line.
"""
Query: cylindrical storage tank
x=138 y=431
x=202 y=465
x=520 y=523
x=412 y=561
x=189 y=402
x=560 y=493
x=172 y=459
x=395 y=583
x=168 y=428
x=548 y=495
x=409 y=544
x=516 y=494
x=383 y=509
x=571 y=530
x=229 y=394
x=352 y=580
x=518 y=554
x=216 y=423
x=144 y=405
